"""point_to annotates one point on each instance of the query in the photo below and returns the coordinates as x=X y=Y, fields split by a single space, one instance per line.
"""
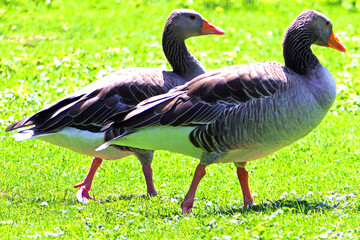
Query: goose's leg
x=243 y=176
x=188 y=202
x=83 y=193
x=146 y=157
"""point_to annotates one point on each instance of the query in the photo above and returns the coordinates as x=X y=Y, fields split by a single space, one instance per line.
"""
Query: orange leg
x=83 y=194
x=244 y=183
x=188 y=202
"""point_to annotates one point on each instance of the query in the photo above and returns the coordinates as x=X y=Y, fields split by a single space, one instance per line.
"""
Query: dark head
x=317 y=28
x=188 y=23
x=310 y=27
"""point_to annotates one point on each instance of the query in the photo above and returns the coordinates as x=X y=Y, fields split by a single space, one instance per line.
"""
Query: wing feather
x=205 y=98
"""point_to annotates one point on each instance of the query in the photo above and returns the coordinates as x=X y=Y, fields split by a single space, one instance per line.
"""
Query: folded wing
x=205 y=98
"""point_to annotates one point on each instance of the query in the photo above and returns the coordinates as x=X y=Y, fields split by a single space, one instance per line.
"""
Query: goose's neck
x=297 y=52
x=181 y=60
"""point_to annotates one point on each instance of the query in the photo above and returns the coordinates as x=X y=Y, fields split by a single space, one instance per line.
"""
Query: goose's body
x=246 y=130
x=75 y=121
x=239 y=113
x=262 y=125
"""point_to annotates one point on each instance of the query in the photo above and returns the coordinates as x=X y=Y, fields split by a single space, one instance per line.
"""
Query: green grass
x=49 y=49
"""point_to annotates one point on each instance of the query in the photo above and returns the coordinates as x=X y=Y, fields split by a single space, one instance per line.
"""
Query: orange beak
x=209 y=28
x=335 y=43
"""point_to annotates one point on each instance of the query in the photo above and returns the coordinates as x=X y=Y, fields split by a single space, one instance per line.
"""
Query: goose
x=74 y=122
x=238 y=113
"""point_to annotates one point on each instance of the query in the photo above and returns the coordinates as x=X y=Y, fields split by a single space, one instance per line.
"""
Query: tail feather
x=102 y=147
x=19 y=124
x=28 y=134
x=23 y=135
x=108 y=143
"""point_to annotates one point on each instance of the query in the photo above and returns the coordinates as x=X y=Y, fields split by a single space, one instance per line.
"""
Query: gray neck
x=296 y=49
x=181 y=60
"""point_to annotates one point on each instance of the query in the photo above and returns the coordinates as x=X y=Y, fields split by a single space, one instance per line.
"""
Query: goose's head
x=320 y=28
x=189 y=23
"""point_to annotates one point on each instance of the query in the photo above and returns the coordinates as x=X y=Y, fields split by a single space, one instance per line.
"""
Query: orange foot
x=82 y=194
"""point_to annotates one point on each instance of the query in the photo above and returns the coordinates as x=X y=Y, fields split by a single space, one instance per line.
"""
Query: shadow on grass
x=295 y=206
x=277 y=207
x=284 y=205
x=298 y=206
x=118 y=197
x=68 y=198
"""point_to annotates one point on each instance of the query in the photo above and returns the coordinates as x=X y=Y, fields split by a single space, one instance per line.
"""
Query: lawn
x=49 y=49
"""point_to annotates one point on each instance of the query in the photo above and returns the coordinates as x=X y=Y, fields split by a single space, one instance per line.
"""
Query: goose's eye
x=192 y=17
x=327 y=23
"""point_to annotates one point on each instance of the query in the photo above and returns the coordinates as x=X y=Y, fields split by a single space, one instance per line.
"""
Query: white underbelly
x=84 y=142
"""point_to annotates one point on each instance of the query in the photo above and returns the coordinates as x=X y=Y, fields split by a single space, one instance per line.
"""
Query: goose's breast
x=265 y=126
